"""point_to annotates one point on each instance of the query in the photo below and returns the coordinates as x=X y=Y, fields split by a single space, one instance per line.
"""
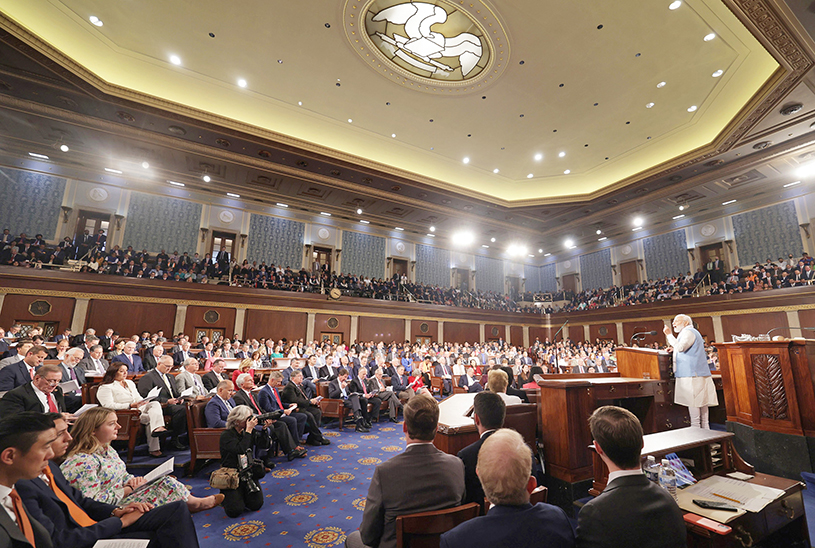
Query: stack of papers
x=747 y=497
x=163 y=469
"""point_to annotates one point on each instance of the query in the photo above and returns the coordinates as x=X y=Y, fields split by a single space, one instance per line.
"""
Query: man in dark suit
x=341 y=389
x=99 y=240
x=362 y=385
x=269 y=400
x=401 y=385
x=469 y=382
x=130 y=358
x=631 y=510
x=151 y=358
x=441 y=369
x=25 y=442
x=489 y=411
x=503 y=462
x=42 y=394
x=87 y=521
x=70 y=372
x=64 y=335
x=218 y=407
x=420 y=479
x=95 y=365
x=168 y=397
x=182 y=355
x=294 y=393
x=215 y=375
x=22 y=372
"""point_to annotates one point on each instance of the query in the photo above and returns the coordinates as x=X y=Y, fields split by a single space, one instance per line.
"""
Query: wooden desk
x=455 y=431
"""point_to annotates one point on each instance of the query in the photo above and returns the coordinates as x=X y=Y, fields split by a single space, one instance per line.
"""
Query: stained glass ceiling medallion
x=434 y=46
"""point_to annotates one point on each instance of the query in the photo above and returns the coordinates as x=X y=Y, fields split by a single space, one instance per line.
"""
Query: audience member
x=188 y=378
x=489 y=411
x=497 y=382
x=130 y=358
x=214 y=376
x=340 y=389
x=42 y=394
x=237 y=442
x=95 y=365
x=297 y=422
x=168 y=396
x=22 y=372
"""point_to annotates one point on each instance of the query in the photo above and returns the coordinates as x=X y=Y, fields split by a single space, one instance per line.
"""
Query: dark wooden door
x=93 y=222
x=629 y=273
x=400 y=267
x=462 y=280
x=321 y=259
x=222 y=241
x=569 y=282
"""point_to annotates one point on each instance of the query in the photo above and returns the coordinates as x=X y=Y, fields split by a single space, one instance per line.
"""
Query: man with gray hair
x=95 y=365
x=188 y=378
x=694 y=384
x=503 y=468
x=70 y=372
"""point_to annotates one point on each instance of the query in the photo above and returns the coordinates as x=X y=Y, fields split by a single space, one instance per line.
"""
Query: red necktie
x=52 y=406
x=22 y=518
x=279 y=403
x=251 y=397
x=364 y=388
x=31 y=370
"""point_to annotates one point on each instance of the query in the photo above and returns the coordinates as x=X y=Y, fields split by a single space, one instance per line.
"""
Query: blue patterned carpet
x=311 y=502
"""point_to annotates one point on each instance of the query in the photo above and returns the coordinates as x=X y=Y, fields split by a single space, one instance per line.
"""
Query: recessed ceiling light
x=109 y=170
x=206 y=178
x=95 y=20
x=399 y=228
x=466 y=160
x=145 y=165
x=350 y=121
x=241 y=82
x=567 y=171
x=728 y=202
x=561 y=154
x=717 y=73
x=678 y=216
x=529 y=176
x=485 y=246
x=233 y=195
x=531 y=255
x=393 y=135
x=603 y=238
x=363 y=221
x=683 y=207
x=675 y=5
x=175 y=59
x=546 y=254
x=637 y=221
x=661 y=85
x=176 y=184
x=568 y=244
x=636 y=228
x=709 y=37
x=300 y=103
x=359 y=211
x=692 y=108
x=540 y=251
x=792 y=184
x=64 y=148
x=463 y=238
x=431 y=235
x=495 y=170
x=278 y=204
x=598 y=231
x=326 y=214
x=40 y=156
x=432 y=229
x=538 y=157
x=492 y=240
x=649 y=105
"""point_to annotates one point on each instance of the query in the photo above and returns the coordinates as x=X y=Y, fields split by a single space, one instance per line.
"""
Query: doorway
x=334 y=338
x=569 y=282
x=461 y=278
x=514 y=286
x=321 y=259
x=629 y=273
x=706 y=255
x=222 y=241
x=92 y=222
x=215 y=334
x=400 y=268
x=427 y=341
x=49 y=329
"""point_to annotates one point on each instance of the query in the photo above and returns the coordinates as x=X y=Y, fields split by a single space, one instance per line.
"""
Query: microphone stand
x=554 y=339
x=640 y=336
x=783 y=327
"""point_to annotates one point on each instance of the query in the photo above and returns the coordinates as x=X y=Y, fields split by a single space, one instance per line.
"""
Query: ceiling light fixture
x=546 y=254
x=399 y=228
x=567 y=171
x=432 y=229
x=95 y=20
x=692 y=108
x=603 y=238
x=300 y=103
x=350 y=121
x=529 y=176
x=717 y=73
x=363 y=221
x=792 y=184
x=661 y=85
x=806 y=170
x=598 y=231
x=492 y=240
x=116 y=171
x=278 y=204
x=568 y=244
x=175 y=59
x=359 y=211
x=176 y=184
x=678 y=217
x=636 y=228
x=495 y=170
x=145 y=165
x=431 y=235
x=393 y=135
x=233 y=195
x=728 y=202
x=64 y=148
x=485 y=246
x=206 y=178
x=463 y=238
x=637 y=221
x=709 y=37
x=540 y=251
x=326 y=214
x=674 y=5
x=649 y=105
x=466 y=160
x=39 y=156
x=241 y=83
x=531 y=255
x=538 y=157
x=683 y=207
x=561 y=154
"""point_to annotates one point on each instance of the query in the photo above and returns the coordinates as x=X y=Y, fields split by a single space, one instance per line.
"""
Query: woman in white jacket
x=117 y=392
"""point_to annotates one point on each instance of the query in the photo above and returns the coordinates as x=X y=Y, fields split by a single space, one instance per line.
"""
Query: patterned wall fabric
x=548 y=272
x=666 y=255
x=432 y=265
x=276 y=241
x=533 y=278
x=158 y=222
x=768 y=232
x=489 y=274
x=30 y=202
x=363 y=254
x=595 y=270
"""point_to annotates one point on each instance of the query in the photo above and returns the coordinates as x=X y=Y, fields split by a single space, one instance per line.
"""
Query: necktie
x=364 y=388
x=99 y=367
x=22 y=518
x=198 y=384
x=31 y=370
x=344 y=395
x=252 y=398
x=167 y=384
x=52 y=406
x=276 y=397
x=78 y=514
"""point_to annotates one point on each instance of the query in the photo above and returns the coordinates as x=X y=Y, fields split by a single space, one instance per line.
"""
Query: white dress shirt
x=8 y=506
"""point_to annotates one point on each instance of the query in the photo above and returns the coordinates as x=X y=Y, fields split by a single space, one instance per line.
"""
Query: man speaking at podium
x=694 y=385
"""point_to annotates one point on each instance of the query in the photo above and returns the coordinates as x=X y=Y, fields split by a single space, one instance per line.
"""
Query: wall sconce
x=204 y=232
x=243 y=240
x=412 y=265
x=67 y=211
x=805 y=228
x=557 y=280
x=389 y=259
x=729 y=245
x=614 y=269
x=641 y=263
x=690 y=252
x=577 y=277
x=119 y=219
x=338 y=251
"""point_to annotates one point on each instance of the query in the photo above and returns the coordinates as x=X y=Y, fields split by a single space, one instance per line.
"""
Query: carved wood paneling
x=772 y=396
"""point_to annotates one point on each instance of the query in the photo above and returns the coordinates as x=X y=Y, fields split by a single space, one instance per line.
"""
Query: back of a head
x=497 y=381
x=619 y=433
x=21 y=430
x=490 y=409
x=421 y=417
x=504 y=464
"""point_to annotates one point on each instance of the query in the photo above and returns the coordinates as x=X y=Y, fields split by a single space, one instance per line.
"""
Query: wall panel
x=753 y=324
x=666 y=254
x=629 y=328
x=516 y=335
x=130 y=318
x=460 y=332
x=704 y=324
x=195 y=319
x=321 y=325
x=381 y=329
x=767 y=232
x=275 y=324
x=540 y=333
x=276 y=241
x=363 y=254
x=432 y=265
x=160 y=222
x=577 y=333
x=603 y=331
x=489 y=274
x=492 y=332
x=30 y=202
x=595 y=270
x=432 y=329
x=15 y=308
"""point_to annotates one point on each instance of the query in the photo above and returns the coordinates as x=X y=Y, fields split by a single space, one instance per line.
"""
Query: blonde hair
x=245 y=364
x=497 y=381
x=84 y=440
x=504 y=467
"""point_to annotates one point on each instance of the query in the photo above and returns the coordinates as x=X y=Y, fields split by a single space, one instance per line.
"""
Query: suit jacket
x=292 y=394
x=420 y=479
x=438 y=371
x=241 y=398
x=185 y=379
x=518 y=526
x=12 y=537
x=631 y=511
x=23 y=398
x=88 y=366
x=14 y=375
x=399 y=384
x=328 y=372
x=210 y=380
x=469 y=456
x=216 y=412
x=267 y=401
x=152 y=379
x=134 y=365
x=79 y=371
x=44 y=506
x=334 y=391
x=178 y=357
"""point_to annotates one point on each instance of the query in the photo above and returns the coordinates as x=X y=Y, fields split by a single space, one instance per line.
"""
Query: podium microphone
x=640 y=336
x=784 y=327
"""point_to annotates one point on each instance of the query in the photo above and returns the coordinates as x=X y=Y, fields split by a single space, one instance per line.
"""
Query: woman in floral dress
x=94 y=467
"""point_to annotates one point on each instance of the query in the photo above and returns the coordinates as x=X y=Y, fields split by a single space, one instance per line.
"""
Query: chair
x=523 y=418
x=423 y=530
x=332 y=408
x=204 y=442
x=540 y=494
x=436 y=385
x=129 y=420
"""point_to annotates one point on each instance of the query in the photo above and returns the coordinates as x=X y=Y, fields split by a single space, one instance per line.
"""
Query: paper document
x=188 y=392
x=153 y=394
x=163 y=469
x=122 y=543
x=84 y=408
x=746 y=496
x=68 y=387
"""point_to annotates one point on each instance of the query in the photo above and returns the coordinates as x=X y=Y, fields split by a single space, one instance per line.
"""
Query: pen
x=727 y=498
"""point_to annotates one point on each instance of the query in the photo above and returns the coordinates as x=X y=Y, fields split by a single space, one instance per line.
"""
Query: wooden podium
x=770 y=400
x=644 y=363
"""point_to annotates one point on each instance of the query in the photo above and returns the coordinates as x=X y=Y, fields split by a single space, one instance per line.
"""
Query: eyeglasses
x=51 y=382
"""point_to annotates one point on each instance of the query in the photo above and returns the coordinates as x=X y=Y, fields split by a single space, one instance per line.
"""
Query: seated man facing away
x=420 y=479
x=503 y=467
x=489 y=412
x=77 y=521
x=631 y=510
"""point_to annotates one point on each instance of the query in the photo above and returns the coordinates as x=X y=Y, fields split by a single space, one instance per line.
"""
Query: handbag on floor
x=224 y=478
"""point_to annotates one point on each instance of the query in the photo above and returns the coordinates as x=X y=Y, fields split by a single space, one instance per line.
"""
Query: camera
x=246 y=472
x=272 y=415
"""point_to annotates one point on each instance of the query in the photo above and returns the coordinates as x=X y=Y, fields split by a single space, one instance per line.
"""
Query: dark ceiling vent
x=762 y=145
x=791 y=109
x=126 y=116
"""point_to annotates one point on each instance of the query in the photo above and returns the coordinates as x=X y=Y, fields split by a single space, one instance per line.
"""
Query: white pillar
x=620 y=333
x=310 y=327
x=441 y=332
x=586 y=333
x=482 y=330
x=240 y=321
x=718 y=330
x=526 y=336
x=180 y=318
x=792 y=320
x=407 y=329
x=507 y=334
x=354 y=329
x=80 y=316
